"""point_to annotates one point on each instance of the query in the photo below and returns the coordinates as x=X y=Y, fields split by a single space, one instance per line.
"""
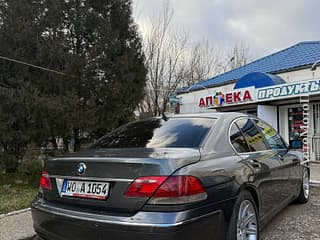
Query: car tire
x=244 y=220
x=305 y=187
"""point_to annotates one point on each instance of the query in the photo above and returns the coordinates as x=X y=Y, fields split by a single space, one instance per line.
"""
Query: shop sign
x=251 y=94
x=219 y=99
x=288 y=90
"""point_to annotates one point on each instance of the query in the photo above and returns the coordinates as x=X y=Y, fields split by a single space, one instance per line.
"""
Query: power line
x=38 y=67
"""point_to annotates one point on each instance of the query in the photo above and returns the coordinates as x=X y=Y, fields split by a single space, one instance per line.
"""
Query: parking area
x=296 y=221
x=17 y=226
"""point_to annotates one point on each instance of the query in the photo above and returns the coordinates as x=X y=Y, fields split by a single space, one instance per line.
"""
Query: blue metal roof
x=258 y=80
x=299 y=55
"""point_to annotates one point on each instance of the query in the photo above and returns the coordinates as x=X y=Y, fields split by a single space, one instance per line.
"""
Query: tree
x=203 y=62
x=165 y=52
x=104 y=51
x=99 y=73
x=173 y=61
x=18 y=38
x=238 y=56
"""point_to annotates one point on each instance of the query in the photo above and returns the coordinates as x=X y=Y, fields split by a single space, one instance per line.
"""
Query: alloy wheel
x=306 y=186
x=247 y=228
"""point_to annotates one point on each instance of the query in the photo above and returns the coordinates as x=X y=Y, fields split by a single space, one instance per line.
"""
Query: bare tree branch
x=173 y=61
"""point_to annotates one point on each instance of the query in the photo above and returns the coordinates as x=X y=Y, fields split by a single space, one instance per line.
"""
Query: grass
x=7 y=178
x=15 y=197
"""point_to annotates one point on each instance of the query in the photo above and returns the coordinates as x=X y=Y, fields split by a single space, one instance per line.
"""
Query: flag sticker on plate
x=85 y=189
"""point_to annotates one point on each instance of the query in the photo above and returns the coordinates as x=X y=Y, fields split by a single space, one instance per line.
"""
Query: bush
x=2 y=167
x=30 y=168
x=8 y=163
x=6 y=177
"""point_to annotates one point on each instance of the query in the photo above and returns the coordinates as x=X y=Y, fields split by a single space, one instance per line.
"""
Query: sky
x=265 y=26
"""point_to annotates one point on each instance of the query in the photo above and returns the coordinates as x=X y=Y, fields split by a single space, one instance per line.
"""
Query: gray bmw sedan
x=203 y=176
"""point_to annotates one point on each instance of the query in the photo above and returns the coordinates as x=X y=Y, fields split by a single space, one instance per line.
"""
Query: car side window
x=252 y=135
x=237 y=139
x=271 y=135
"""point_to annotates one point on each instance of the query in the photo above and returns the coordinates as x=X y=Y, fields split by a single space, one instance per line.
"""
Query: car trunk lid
x=117 y=167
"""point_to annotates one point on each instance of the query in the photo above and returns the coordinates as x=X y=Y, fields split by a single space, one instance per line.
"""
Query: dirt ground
x=296 y=221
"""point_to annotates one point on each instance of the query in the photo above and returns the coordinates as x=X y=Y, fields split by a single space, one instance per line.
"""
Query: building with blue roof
x=279 y=88
x=300 y=56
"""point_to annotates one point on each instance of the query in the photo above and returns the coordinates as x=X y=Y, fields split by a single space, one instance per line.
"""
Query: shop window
x=252 y=135
x=295 y=118
x=237 y=140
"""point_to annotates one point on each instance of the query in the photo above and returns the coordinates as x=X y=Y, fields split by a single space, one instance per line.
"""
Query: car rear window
x=156 y=132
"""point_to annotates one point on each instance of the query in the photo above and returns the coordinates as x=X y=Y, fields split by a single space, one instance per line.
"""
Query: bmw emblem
x=81 y=168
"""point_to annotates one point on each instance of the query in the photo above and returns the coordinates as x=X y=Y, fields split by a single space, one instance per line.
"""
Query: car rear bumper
x=52 y=223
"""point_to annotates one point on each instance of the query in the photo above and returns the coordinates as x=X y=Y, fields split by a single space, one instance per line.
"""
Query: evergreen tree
x=94 y=43
x=104 y=51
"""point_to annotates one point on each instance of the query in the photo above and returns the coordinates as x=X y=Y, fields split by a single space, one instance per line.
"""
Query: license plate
x=85 y=189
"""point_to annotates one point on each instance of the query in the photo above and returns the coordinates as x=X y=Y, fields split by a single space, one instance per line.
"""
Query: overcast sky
x=265 y=26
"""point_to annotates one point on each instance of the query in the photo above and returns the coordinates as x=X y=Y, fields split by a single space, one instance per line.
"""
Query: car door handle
x=255 y=163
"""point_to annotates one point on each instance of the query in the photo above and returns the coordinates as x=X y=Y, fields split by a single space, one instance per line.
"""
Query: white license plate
x=85 y=189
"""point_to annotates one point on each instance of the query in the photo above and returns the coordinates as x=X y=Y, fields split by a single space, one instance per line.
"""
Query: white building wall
x=190 y=101
x=268 y=114
x=300 y=75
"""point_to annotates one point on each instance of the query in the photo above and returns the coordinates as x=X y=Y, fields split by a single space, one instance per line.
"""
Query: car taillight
x=168 y=190
x=45 y=181
x=145 y=186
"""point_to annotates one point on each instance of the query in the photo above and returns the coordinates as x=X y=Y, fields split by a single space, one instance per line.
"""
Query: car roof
x=212 y=115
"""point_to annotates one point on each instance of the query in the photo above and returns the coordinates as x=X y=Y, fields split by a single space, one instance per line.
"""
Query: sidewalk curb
x=14 y=213
x=315 y=183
